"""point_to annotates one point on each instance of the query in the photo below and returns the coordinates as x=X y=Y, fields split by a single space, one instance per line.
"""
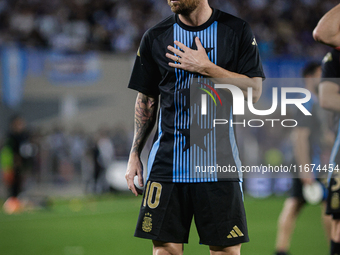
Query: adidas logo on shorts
x=236 y=232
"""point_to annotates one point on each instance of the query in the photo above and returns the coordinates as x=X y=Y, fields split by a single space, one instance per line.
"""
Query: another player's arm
x=145 y=118
x=302 y=153
x=328 y=29
x=197 y=61
x=329 y=96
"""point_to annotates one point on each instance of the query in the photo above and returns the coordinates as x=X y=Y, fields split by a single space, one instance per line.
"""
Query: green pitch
x=105 y=226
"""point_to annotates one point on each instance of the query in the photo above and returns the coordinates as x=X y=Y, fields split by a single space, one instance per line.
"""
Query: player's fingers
x=175 y=65
x=131 y=185
x=175 y=51
x=133 y=189
x=198 y=43
x=172 y=57
x=140 y=179
x=181 y=45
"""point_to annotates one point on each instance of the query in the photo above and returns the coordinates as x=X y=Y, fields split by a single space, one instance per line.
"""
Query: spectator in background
x=104 y=155
x=120 y=140
x=16 y=156
x=77 y=144
x=58 y=152
x=71 y=25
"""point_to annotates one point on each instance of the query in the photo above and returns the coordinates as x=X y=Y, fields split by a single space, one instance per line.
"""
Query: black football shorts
x=296 y=190
x=333 y=200
x=168 y=208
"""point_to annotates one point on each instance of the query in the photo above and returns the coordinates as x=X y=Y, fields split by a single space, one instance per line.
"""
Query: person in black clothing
x=328 y=32
x=196 y=42
x=16 y=147
x=307 y=150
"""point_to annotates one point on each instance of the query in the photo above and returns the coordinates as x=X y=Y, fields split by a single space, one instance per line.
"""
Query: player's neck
x=312 y=90
x=198 y=17
x=311 y=87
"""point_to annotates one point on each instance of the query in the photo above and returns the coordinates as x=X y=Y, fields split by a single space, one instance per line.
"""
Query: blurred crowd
x=31 y=156
x=282 y=27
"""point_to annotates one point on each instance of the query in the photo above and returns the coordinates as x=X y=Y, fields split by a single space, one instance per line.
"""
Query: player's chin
x=175 y=8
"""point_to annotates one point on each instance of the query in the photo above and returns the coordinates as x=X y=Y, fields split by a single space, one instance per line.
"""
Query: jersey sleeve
x=249 y=62
x=145 y=75
x=331 y=67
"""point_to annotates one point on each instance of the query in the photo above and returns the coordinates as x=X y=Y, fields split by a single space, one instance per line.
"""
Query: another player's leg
x=220 y=250
x=287 y=218
x=333 y=208
x=162 y=248
x=286 y=224
x=326 y=221
x=335 y=235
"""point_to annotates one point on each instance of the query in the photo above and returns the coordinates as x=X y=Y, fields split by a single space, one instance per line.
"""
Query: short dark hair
x=310 y=68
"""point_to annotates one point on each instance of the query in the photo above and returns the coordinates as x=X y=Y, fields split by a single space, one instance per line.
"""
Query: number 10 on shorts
x=153 y=189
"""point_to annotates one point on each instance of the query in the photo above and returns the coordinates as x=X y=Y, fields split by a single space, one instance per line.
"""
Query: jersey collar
x=198 y=28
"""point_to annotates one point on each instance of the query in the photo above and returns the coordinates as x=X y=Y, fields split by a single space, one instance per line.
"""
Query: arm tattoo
x=145 y=118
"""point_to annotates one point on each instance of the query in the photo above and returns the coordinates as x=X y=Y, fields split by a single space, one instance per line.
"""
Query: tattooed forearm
x=145 y=117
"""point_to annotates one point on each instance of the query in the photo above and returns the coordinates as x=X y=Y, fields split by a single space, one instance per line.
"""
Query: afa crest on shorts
x=147 y=223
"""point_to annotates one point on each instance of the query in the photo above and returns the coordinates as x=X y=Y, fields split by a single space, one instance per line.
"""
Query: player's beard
x=183 y=7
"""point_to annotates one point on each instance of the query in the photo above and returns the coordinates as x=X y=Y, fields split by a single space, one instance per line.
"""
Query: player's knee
x=161 y=248
x=220 y=250
x=295 y=204
x=291 y=209
x=336 y=230
x=162 y=251
x=336 y=238
x=166 y=251
x=287 y=212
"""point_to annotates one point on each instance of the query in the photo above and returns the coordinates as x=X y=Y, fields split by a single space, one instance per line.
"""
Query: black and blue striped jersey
x=230 y=44
x=331 y=72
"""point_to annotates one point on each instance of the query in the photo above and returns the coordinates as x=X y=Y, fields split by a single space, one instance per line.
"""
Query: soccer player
x=197 y=41
x=13 y=162
x=307 y=143
x=328 y=32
